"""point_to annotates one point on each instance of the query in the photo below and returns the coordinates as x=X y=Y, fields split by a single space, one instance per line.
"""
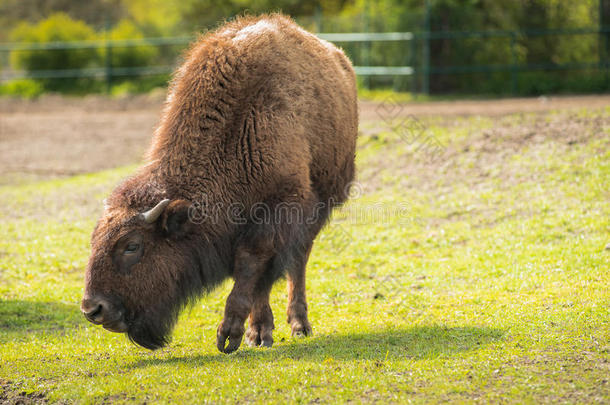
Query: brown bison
x=255 y=147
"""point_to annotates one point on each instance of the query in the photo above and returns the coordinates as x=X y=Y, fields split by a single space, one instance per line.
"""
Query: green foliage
x=94 y=12
x=156 y=17
x=206 y=14
x=128 y=56
x=144 y=18
x=24 y=88
x=144 y=84
x=58 y=27
x=535 y=83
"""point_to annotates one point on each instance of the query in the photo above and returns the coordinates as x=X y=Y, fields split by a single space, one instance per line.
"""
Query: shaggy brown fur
x=255 y=147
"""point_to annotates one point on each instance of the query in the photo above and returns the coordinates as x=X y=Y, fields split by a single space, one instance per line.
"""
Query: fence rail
x=96 y=43
x=514 y=68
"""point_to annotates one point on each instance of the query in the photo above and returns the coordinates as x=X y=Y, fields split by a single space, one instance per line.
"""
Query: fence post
x=604 y=37
x=513 y=68
x=366 y=50
x=426 y=78
x=318 y=18
x=108 y=56
x=413 y=62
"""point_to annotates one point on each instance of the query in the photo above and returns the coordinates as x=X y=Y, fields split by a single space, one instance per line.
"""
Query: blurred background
x=420 y=47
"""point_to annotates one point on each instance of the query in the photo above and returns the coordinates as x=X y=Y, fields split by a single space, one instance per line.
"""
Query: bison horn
x=154 y=213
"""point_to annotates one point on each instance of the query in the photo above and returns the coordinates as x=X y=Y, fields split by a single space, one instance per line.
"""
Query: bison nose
x=95 y=309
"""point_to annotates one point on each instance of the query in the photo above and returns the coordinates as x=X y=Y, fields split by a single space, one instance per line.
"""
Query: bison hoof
x=259 y=336
x=232 y=330
x=301 y=329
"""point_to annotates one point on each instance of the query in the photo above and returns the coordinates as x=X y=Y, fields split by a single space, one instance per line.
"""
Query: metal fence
x=414 y=45
x=513 y=66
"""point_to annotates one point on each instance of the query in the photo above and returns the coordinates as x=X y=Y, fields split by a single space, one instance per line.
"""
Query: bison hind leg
x=260 y=321
x=297 y=302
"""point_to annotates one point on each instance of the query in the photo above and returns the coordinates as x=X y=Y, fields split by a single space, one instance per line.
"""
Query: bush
x=58 y=27
x=25 y=88
x=129 y=56
x=141 y=85
x=580 y=81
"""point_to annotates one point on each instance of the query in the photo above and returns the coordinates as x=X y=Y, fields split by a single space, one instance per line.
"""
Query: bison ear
x=175 y=221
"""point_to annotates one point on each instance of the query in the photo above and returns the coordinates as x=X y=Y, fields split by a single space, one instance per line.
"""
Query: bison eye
x=127 y=252
x=131 y=248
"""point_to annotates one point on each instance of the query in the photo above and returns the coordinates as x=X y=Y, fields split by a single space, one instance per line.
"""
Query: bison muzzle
x=254 y=149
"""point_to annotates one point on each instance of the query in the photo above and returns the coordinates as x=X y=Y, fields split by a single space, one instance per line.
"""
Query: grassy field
x=471 y=265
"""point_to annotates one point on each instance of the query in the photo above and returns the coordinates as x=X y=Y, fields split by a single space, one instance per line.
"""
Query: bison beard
x=262 y=114
x=151 y=327
x=152 y=330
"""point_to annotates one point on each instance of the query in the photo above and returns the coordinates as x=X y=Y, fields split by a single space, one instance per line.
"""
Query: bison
x=255 y=146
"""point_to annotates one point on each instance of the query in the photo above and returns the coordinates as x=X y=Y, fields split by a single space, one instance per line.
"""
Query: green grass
x=478 y=276
x=383 y=94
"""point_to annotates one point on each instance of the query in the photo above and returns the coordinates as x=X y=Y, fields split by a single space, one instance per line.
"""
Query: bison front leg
x=251 y=260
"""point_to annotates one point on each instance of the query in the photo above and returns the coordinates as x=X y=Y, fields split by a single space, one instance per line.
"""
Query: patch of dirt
x=10 y=396
x=371 y=111
x=56 y=136
x=485 y=155
x=514 y=149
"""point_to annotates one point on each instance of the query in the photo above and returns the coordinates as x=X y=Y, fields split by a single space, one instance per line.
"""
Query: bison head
x=142 y=270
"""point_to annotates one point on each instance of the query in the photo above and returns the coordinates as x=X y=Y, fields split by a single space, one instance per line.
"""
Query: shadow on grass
x=23 y=319
x=420 y=342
